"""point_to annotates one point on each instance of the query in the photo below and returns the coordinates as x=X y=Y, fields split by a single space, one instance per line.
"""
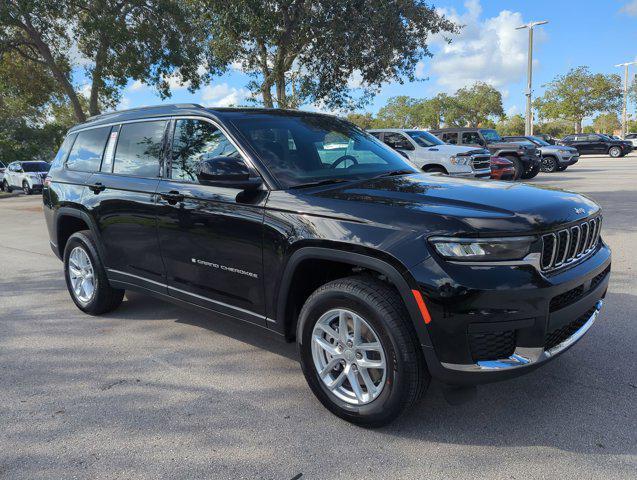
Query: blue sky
x=596 y=33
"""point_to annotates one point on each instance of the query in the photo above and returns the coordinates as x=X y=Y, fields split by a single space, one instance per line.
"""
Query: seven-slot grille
x=481 y=162
x=570 y=244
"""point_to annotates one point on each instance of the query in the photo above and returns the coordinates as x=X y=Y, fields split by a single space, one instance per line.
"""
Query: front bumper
x=565 y=161
x=482 y=173
x=490 y=323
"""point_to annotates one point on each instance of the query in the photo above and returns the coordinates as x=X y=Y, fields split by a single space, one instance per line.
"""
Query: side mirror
x=229 y=172
x=481 y=142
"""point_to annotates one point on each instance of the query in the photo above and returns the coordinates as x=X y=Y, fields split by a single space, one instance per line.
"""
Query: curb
x=9 y=195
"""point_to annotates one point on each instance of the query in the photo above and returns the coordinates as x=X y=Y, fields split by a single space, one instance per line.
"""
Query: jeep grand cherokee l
x=597 y=144
x=305 y=225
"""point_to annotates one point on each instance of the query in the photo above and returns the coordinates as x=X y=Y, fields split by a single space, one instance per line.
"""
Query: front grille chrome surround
x=480 y=162
x=569 y=245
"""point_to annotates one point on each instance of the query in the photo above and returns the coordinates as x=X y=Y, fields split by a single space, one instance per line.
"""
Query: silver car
x=555 y=158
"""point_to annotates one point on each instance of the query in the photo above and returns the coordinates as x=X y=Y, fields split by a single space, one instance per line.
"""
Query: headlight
x=482 y=249
x=458 y=160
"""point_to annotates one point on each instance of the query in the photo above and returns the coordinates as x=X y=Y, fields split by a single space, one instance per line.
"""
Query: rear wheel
x=358 y=353
x=517 y=165
x=86 y=277
x=6 y=187
x=549 y=164
x=615 y=152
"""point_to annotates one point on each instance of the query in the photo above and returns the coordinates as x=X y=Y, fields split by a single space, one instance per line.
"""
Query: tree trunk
x=266 y=93
x=97 y=78
x=578 y=125
x=58 y=74
x=281 y=99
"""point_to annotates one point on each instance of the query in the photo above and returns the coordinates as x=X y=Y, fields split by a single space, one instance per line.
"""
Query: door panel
x=210 y=236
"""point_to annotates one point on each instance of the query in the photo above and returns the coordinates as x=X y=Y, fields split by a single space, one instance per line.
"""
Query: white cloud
x=630 y=8
x=489 y=50
x=223 y=95
x=136 y=86
x=420 y=70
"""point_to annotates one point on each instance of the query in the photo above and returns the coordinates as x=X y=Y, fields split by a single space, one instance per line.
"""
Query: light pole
x=625 y=65
x=528 y=125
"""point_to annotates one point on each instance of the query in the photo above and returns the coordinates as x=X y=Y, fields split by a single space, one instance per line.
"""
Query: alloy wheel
x=548 y=164
x=81 y=274
x=615 y=152
x=349 y=357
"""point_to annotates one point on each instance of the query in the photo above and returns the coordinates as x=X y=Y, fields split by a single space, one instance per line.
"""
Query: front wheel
x=26 y=189
x=549 y=164
x=532 y=172
x=517 y=166
x=615 y=152
x=358 y=353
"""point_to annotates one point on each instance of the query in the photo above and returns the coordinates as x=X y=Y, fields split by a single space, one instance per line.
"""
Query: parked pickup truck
x=525 y=158
x=555 y=158
x=431 y=154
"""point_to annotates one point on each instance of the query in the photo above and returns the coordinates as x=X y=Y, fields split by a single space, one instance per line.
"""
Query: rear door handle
x=172 y=197
x=97 y=187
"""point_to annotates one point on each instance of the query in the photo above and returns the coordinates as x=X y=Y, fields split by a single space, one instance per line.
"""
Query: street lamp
x=625 y=65
x=528 y=126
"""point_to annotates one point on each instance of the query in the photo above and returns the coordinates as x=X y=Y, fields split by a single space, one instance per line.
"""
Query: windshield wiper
x=329 y=181
x=393 y=173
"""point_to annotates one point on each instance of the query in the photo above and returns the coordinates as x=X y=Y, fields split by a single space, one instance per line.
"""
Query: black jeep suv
x=525 y=157
x=307 y=226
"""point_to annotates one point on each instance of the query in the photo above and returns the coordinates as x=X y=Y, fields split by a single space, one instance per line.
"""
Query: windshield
x=539 y=141
x=35 y=167
x=300 y=149
x=491 y=136
x=424 y=139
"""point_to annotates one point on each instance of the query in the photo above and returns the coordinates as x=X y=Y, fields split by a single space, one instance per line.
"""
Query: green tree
x=431 y=112
x=606 y=123
x=513 y=125
x=146 y=40
x=555 y=128
x=362 y=120
x=310 y=50
x=473 y=106
x=399 y=112
x=580 y=94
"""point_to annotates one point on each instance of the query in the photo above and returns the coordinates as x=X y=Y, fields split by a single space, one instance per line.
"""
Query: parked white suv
x=431 y=154
x=27 y=176
x=632 y=138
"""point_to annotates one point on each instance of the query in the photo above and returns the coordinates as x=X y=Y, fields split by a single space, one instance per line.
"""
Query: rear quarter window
x=88 y=148
x=59 y=158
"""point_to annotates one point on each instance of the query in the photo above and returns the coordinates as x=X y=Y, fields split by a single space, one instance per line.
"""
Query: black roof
x=185 y=109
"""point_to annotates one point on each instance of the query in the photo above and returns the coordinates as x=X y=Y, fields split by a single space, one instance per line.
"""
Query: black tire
x=549 y=164
x=6 y=187
x=26 y=189
x=532 y=172
x=435 y=169
x=517 y=165
x=615 y=152
x=105 y=298
x=380 y=305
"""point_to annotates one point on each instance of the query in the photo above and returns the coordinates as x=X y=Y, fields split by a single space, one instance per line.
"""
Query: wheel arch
x=70 y=220
x=427 y=166
x=287 y=311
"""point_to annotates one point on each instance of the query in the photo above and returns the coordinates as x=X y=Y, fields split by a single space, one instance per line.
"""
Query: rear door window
x=470 y=137
x=86 y=153
x=139 y=149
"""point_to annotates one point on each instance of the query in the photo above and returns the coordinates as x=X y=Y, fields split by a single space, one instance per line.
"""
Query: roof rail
x=137 y=109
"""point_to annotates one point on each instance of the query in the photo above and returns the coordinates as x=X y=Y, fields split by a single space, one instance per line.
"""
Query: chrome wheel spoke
x=344 y=347
x=81 y=275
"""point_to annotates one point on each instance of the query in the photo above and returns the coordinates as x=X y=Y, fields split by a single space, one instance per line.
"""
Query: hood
x=456 y=149
x=561 y=148
x=484 y=206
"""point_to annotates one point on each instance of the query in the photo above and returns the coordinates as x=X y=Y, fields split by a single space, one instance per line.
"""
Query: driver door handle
x=172 y=197
x=97 y=187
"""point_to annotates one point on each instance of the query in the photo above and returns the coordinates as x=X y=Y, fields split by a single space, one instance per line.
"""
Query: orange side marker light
x=421 y=305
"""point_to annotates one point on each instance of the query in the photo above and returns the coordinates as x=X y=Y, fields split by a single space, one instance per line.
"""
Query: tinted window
x=299 y=149
x=194 y=141
x=397 y=140
x=451 y=138
x=490 y=135
x=36 y=166
x=424 y=139
x=86 y=154
x=570 y=138
x=63 y=151
x=376 y=134
x=139 y=147
x=471 y=138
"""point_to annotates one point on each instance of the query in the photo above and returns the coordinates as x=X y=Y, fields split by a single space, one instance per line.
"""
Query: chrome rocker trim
x=525 y=356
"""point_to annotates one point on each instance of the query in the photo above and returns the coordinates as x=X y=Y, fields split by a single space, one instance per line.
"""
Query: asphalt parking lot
x=157 y=391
